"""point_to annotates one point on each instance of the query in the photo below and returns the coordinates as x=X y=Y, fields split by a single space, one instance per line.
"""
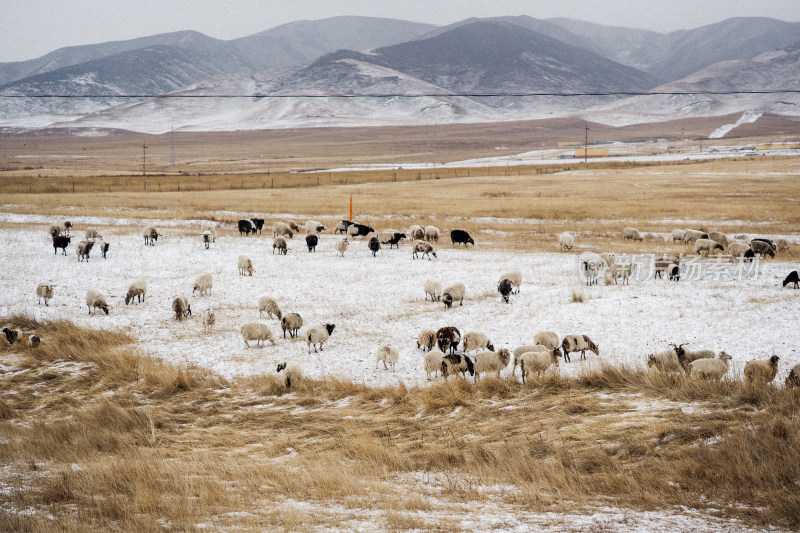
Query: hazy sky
x=31 y=28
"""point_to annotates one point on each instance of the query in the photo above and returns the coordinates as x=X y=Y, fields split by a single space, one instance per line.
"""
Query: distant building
x=778 y=147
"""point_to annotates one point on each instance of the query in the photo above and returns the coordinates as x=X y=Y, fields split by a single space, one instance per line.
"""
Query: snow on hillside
x=378 y=300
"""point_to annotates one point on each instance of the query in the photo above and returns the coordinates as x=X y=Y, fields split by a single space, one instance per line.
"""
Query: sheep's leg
x=386 y=367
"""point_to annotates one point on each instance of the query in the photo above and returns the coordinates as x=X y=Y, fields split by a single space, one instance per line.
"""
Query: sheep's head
x=774 y=360
x=447 y=299
x=281 y=366
x=651 y=360
x=471 y=241
x=104 y=308
x=505 y=355
x=724 y=356
x=490 y=346
x=329 y=328
x=470 y=365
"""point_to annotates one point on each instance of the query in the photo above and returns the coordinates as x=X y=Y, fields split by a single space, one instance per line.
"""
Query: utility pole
x=172 y=146
x=434 y=146
x=144 y=159
x=586 y=144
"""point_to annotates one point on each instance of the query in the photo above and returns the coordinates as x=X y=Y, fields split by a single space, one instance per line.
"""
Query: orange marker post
x=351 y=209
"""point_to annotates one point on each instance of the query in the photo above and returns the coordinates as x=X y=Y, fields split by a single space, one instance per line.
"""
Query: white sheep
x=317 y=335
x=292 y=225
x=279 y=243
x=388 y=354
x=525 y=349
x=245 y=266
x=578 y=343
x=453 y=293
x=424 y=248
x=292 y=374
x=91 y=234
x=181 y=307
x=151 y=235
x=537 y=362
x=203 y=283
x=712 y=369
x=491 y=361
x=256 y=331
x=708 y=246
x=417 y=232
x=514 y=277
x=432 y=233
x=738 y=250
x=102 y=246
x=44 y=291
x=632 y=234
x=665 y=361
x=566 y=241
x=687 y=357
x=434 y=289
x=341 y=246
x=209 y=319
x=281 y=229
x=761 y=371
x=291 y=323
x=95 y=300
x=476 y=340
x=426 y=339
x=433 y=362
x=137 y=289
x=270 y=306
x=692 y=235
x=617 y=271
x=312 y=226
x=550 y=340
x=678 y=235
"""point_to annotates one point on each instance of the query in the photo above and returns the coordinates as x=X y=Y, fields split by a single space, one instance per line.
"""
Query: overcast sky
x=31 y=28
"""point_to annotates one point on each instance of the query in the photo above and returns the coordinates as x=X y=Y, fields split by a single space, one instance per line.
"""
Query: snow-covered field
x=378 y=300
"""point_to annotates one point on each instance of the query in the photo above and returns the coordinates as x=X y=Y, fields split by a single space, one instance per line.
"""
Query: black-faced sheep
x=181 y=307
x=426 y=339
x=59 y=241
x=537 y=362
x=151 y=235
x=359 y=230
x=291 y=323
x=433 y=363
x=342 y=225
x=341 y=246
x=708 y=246
x=424 y=248
x=292 y=374
x=374 y=245
x=674 y=273
x=12 y=335
x=678 y=235
x=83 y=249
x=388 y=354
x=565 y=241
x=792 y=278
x=34 y=341
x=317 y=335
x=453 y=293
x=662 y=264
x=311 y=242
x=433 y=289
x=761 y=247
x=44 y=291
x=395 y=239
x=738 y=250
x=256 y=331
x=312 y=226
x=793 y=379
x=448 y=337
x=761 y=371
x=505 y=288
x=515 y=277
x=711 y=369
x=245 y=265
x=456 y=363
x=270 y=306
x=632 y=234
x=95 y=300
x=692 y=235
x=459 y=236
x=203 y=284
x=258 y=224
x=279 y=243
x=476 y=340
x=137 y=289
x=578 y=343
x=102 y=246
x=245 y=227
x=550 y=340
x=208 y=238
x=491 y=361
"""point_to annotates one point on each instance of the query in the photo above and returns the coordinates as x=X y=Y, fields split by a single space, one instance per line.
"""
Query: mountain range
x=305 y=73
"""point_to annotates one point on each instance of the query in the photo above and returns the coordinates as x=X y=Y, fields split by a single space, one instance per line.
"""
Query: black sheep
x=245 y=227
x=448 y=337
x=374 y=245
x=504 y=288
x=395 y=240
x=311 y=242
x=59 y=241
x=258 y=223
x=459 y=236
x=792 y=278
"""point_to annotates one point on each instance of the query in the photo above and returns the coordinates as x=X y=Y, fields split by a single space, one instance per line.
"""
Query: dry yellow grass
x=102 y=439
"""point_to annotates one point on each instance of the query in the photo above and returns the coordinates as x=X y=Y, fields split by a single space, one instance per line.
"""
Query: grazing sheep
x=708 y=246
x=433 y=363
x=475 y=340
x=761 y=371
x=137 y=289
x=566 y=241
x=102 y=246
x=281 y=229
x=674 y=273
x=211 y=230
x=452 y=293
x=33 y=341
x=67 y=227
x=341 y=246
x=59 y=241
x=208 y=238
x=270 y=306
x=738 y=249
x=793 y=379
x=317 y=335
x=181 y=307
x=550 y=340
x=692 y=235
x=491 y=361
x=291 y=373
x=578 y=343
x=91 y=234
x=514 y=277
x=245 y=227
x=505 y=288
x=45 y=292
x=291 y=323
x=528 y=348
x=678 y=235
x=342 y=225
x=665 y=361
x=448 y=337
x=632 y=234
x=761 y=247
x=209 y=319
x=459 y=236
x=424 y=248
x=712 y=369
x=151 y=235
x=54 y=230
x=456 y=363
x=791 y=278
x=294 y=226
x=388 y=354
x=664 y=264
x=258 y=224
x=359 y=230
x=395 y=239
x=392 y=237
x=311 y=242
x=374 y=245
x=95 y=300
x=203 y=283
x=782 y=245
x=256 y=331
x=432 y=233
x=245 y=266
x=279 y=243
x=426 y=339
x=719 y=237
x=687 y=357
x=312 y=226
x=537 y=362
x=12 y=335
x=434 y=289
x=417 y=232
x=83 y=249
